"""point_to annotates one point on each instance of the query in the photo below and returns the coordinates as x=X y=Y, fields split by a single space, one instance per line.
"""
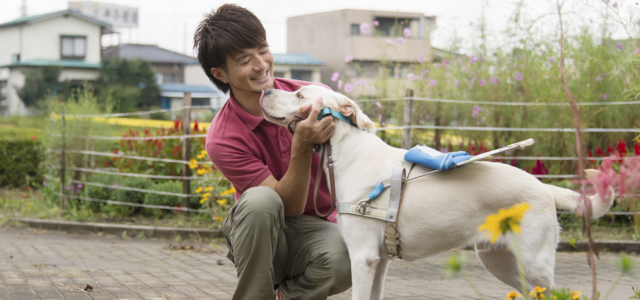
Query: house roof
x=296 y=59
x=66 y=63
x=150 y=53
x=37 y=18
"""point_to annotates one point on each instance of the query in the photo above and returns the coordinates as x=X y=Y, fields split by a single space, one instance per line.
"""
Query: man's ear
x=219 y=74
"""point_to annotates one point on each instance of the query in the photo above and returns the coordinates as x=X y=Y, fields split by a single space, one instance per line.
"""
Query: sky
x=170 y=23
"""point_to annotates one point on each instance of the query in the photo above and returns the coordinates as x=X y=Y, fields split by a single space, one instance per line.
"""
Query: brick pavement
x=51 y=265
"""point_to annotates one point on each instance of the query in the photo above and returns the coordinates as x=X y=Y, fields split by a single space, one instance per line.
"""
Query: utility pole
x=23 y=9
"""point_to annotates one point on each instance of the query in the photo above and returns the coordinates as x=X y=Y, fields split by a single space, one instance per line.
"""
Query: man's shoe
x=279 y=295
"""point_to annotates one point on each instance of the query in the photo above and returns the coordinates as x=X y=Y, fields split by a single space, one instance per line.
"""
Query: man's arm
x=293 y=187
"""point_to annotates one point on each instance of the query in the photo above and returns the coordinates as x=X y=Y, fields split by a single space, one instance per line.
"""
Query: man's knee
x=341 y=272
x=260 y=199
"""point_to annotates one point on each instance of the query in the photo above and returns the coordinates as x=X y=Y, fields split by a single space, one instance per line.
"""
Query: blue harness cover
x=438 y=162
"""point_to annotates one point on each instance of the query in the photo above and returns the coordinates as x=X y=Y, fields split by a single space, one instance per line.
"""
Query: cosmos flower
x=348 y=59
x=376 y=23
x=433 y=82
x=519 y=76
x=411 y=76
x=401 y=40
x=421 y=58
x=482 y=82
x=335 y=76
x=365 y=28
x=406 y=32
x=348 y=88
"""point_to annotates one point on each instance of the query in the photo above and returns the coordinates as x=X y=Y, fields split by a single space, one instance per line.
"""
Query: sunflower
x=504 y=221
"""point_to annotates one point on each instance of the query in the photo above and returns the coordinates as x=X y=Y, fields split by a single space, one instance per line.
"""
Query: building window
x=15 y=58
x=355 y=29
x=301 y=75
x=278 y=74
x=73 y=47
x=392 y=26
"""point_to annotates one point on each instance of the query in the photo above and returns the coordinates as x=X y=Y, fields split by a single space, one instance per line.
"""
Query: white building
x=65 y=38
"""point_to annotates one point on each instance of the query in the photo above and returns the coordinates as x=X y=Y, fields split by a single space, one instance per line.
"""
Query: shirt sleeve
x=243 y=169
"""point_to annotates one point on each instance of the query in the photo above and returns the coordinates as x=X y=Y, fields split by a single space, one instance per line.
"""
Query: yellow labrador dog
x=439 y=212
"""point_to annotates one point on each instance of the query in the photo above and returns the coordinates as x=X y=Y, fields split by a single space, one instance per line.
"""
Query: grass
x=22 y=203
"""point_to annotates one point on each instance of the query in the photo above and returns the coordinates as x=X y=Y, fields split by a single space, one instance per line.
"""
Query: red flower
x=176 y=124
x=146 y=131
x=637 y=148
x=609 y=150
x=622 y=148
x=598 y=151
x=33 y=138
x=115 y=151
x=195 y=126
x=106 y=163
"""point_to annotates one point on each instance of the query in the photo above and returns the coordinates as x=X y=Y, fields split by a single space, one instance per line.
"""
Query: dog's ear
x=349 y=108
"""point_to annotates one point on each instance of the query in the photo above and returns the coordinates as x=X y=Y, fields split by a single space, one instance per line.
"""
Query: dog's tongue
x=261 y=96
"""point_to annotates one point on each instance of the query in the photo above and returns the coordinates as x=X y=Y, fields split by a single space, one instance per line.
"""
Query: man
x=279 y=246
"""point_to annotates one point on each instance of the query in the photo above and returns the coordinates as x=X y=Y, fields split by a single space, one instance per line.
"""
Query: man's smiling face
x=249 y=71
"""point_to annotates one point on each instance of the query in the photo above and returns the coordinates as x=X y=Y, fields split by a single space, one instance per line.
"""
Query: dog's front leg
x=378 y=282
x=364 y=263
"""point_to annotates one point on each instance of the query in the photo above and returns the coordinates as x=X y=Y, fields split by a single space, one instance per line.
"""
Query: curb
x=169 y=233
x=118 y=229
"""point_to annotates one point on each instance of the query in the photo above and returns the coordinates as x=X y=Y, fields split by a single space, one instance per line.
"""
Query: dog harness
x=384 y=200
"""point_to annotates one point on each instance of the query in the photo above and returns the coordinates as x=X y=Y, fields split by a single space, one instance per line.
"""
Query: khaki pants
x=305 y=255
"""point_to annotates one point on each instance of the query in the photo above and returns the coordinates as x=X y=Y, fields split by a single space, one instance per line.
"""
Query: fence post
x=186 y=149
x=63 y=202
x=406 y=121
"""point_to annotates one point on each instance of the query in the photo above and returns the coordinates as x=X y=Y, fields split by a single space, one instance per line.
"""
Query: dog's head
x=279 y=106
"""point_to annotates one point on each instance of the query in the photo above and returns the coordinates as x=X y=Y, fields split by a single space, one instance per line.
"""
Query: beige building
x=367 y=36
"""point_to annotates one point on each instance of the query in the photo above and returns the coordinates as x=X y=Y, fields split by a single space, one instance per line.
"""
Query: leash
x=326 y=151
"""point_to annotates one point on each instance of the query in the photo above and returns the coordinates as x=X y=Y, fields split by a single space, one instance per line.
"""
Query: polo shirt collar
x=249 y=119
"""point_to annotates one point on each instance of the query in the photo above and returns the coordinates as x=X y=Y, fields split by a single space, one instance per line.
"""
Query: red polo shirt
x=247 y=149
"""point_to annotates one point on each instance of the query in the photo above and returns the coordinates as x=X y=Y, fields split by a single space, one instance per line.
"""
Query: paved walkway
x=51 y=265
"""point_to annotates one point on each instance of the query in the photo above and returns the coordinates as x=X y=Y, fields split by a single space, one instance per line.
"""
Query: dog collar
x=327 y=111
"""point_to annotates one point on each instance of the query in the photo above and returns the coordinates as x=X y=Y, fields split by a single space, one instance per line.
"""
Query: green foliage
x=168 y=200
x=40 y=83
x=131 y=83
x=20 y=158
x=625 y=264
x=454 y=264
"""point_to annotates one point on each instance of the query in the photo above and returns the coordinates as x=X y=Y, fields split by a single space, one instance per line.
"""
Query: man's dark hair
x=226 y=32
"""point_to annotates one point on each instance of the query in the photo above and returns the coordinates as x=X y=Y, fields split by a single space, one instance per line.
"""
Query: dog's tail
x=568 y=199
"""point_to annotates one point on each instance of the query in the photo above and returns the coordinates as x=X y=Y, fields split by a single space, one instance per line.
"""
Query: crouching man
x=279 y=246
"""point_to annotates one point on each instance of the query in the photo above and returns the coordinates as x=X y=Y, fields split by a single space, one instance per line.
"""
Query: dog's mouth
x=272 y=116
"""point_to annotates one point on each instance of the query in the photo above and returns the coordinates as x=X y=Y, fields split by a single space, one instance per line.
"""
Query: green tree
x=130 y=83
x=41 y=82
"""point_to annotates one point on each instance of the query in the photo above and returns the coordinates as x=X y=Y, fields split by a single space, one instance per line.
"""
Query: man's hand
x=311 y=131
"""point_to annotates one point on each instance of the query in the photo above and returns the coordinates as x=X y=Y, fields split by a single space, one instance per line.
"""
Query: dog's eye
x=299 y=95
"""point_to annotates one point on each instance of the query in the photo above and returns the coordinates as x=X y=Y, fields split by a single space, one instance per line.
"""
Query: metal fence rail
x=138 y=204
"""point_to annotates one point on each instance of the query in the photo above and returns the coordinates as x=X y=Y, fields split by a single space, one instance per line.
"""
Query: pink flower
x=456 y=82
x=482 y=82
x=348 y=88
x=378 y=104
x=340 y=84
x=358 y=83
x=366 y=84
x=376 y=23
x=348 y=59
x=637 y=51
x=406 y=32
x=411 y=76
x=493 y=80
x=551 y=59
x=590 y=20
x=475 y=111
x=618 y=45
x=373 y=88
x=365 y=28
x=401 y=40
x=389 y=41
x=599 y=78
x=421 y=58
x=519 y=76
x=614 y=5
x=446 y=62
x=604 y=96
x=433 y=82
x=335 y=76
x=396 y=72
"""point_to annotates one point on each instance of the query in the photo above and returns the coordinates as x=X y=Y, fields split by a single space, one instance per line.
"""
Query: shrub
x=168 y=200
x=19 y=158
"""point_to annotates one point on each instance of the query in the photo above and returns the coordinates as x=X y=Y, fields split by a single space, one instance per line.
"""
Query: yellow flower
x=230 y=191
x=207 y=170
x=199 y=190
x=203 y=152
x=200 y=171
x=575 y=295
x=200 y=156
x=537 y=293
x=203 y=200
x=222 y=202
x=206 y=195
x=504 y=221
x=208 y=189
x=218 y=219
x=193 y=163
x=512 y=296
